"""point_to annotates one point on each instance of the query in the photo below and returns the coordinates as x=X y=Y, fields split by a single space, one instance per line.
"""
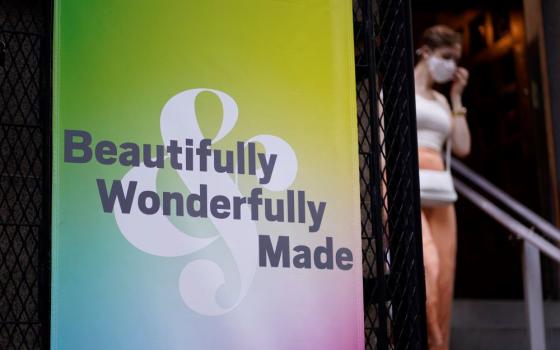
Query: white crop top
x=433 y=123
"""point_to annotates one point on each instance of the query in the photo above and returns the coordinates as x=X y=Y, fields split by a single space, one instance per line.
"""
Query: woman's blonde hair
x=440 y=36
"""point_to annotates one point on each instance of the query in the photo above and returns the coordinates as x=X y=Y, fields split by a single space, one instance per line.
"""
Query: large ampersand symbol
x=201 y=279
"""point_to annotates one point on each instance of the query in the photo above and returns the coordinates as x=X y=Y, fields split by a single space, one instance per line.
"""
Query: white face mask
x=441 y=69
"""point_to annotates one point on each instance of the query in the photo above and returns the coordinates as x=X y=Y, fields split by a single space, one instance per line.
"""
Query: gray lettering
x=201 y=199
x=105 y=152
x=156 y=162
x=237 y=201
x=344 y=255
x=327 y=252
x=143 y=202
x=204 y=152
x=217 y=204
x=174 y=150
x=117 y=193
x=220 y=168
x=316 y=215
x=302 y=260
x=70 y=145
x=179 y=204
x=131 y=155
x=267 y=250
x=269 y=215
x=254 y=201
x=267 y=167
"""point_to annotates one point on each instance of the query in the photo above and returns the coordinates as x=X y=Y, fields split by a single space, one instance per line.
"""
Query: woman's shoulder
x=440 y=98
x=436 y=97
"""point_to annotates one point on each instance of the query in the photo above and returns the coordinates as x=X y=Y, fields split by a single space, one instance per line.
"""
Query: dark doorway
x=509 y=139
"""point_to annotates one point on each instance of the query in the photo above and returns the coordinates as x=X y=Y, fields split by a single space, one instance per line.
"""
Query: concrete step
x=497 y=325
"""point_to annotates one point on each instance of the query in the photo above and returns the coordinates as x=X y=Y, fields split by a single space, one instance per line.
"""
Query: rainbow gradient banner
x=205 y=176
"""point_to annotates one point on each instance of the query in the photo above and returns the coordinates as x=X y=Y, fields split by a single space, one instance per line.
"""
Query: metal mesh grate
x=22 y=150
x=394 y=291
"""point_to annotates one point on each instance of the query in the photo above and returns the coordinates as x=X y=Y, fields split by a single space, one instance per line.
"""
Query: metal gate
x=394 y=290
x=24 y=179
x=392 y=246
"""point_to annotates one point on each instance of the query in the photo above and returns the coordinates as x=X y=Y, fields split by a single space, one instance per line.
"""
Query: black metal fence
x=394 y=291
x=24 y=168
x=392 y=246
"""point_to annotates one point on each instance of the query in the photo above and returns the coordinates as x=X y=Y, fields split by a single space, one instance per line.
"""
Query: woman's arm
x=460 y=134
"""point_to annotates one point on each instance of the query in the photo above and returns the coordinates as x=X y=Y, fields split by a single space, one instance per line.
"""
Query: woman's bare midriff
x=430 y=159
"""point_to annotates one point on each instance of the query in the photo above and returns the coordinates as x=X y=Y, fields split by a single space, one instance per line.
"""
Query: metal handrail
x=508 y=221
x=533 y=244
x=534 y=219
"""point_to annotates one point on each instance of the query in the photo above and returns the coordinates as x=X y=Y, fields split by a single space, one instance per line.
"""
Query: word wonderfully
x=79 y=147
x=201 y=205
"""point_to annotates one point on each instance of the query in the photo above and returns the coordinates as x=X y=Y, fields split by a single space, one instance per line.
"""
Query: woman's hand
x=460 y=81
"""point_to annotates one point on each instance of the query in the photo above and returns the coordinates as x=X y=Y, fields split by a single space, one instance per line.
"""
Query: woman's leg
x=431 y=267
x=444 y=233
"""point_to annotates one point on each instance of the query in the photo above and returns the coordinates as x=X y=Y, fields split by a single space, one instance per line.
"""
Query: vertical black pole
x=416 y=223
x=406 y=282
x=45 y=228
x=375 y=181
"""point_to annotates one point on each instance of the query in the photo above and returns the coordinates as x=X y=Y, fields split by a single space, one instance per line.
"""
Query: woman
x=440 y=123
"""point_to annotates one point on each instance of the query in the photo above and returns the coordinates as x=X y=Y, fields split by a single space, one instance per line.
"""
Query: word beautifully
x=180 y=157
x=80 y=148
